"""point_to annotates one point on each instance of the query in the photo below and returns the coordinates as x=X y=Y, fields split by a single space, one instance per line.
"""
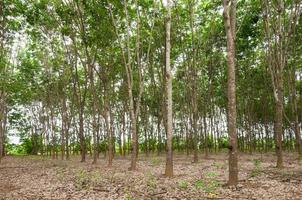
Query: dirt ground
x=34 y=177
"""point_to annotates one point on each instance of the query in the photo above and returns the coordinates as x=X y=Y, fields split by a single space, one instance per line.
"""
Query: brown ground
x=33 y=177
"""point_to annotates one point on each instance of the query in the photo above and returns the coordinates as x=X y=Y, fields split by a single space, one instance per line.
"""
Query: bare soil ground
x=35 y=177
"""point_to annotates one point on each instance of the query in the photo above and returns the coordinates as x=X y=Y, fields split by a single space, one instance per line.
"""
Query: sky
x=14 y=139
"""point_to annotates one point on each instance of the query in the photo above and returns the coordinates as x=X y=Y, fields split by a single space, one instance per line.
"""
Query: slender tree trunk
x=249 y=132
x=159 y=140
x=278 y=129
x=67 y=149
x=1 y=136
x=133 y=138
x=80 y=101
x=124 y=135
x=63 y=127
x=280 y=20
x=193 y=84
x=133 y=109
x=146 y=135
x=120 y=146
x=94 y=111
x=230 y=27
x=206 y=136
x=67 y=145
x=187 y=139
x=53 y=135
x=169 y=126
x=108 y=120
x=292 y=85
x=109 y=133
x=2 y=70
x=81 y=135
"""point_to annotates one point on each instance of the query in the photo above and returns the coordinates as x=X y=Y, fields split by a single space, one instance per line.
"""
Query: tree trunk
x=230 y=27
x=206 y=136
x=94 y=111
x=133 y=138
x=193 y=84
x=292 y=85
x=109 y=135
x=81 y=135
x=67 y=138
x=159 y=140
x=53 y=136
x=278 y=129
x=2 y=68
x=124 y=135
x=1 y=136
x=169 y=125
x=63 y=128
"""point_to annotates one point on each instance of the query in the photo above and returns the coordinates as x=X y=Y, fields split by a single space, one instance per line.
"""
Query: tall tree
x=229 y=13
x=168 y=95
x=2 y=71
x=280 y=20
x=193 y=81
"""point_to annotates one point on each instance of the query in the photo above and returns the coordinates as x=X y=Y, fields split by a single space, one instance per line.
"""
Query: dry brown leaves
x=34 y=177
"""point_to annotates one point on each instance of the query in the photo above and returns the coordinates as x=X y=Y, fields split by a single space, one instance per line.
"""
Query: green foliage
x=212 y=186
x=183 y=184
x=257 y=163
x=155 y=161
x=102 y=147
x=82 y=180
x=87 y=180
x=152 y=143
x=15 y=149
x=211 y=174
x=199 y=184
x=179 y=144
x=223 y=142
x=151 y=181
x=76 y=146
x=208 y=187
x=60 y=40
x=28 y=146
x=257 y=167
x=129 y=197
x=218 y=165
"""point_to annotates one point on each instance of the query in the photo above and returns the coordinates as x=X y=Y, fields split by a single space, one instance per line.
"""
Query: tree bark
x=108 y=119
x=193 y=85
x=2 y=89
x=230 y=28
x=294 y=108
x=169 y=125
x=94 y=111
x=64 y=126
x=81 y=135
x=133 y=108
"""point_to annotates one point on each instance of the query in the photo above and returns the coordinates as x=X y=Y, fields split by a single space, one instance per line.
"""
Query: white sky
x=14 y=139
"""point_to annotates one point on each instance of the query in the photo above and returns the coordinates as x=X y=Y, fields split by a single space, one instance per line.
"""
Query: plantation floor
x=34 y=177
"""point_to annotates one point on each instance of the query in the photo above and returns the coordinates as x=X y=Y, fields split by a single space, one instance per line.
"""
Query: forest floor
x=35 y=177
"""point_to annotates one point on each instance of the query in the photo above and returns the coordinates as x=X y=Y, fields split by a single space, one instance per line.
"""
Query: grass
x=86 y=180
x=257 y=167
x=211 y=174
x=183 y=184
x=199 y=184
x=129 y=197
x=209 y=184
x=155 y=161
x=151 y=181
x=208 y=187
